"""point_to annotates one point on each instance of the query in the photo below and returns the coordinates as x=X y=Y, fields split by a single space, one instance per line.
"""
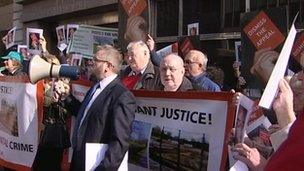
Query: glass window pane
x=167 y=18
x=206 y=12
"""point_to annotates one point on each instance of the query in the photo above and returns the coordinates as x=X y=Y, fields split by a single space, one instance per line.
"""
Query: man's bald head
x=172 y=72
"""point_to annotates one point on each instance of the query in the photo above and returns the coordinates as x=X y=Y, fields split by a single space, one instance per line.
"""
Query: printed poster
x=87 y=38
x=33 y=36
x=172 y=133
x=193 y=29
x=19 y=115
x=177 y=130
x=263 y=33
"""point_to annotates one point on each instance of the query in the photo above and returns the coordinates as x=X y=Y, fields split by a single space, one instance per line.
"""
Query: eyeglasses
x=187 y=61
x=98 y=60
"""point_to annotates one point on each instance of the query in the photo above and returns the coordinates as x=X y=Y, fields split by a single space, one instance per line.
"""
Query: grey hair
x=112 y=55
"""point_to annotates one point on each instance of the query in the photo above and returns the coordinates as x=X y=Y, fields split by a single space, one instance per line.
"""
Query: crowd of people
x=109 y=106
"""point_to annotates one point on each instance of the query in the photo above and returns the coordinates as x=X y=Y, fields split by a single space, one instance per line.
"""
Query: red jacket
x=290 y=155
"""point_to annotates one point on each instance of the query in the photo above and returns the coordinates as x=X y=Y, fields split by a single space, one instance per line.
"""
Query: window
x=167 y=18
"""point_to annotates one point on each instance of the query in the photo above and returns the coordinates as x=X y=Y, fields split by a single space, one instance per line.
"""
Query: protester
x=54 y=138
x=140 y=72
x=13 y=64
x=155 y=58
x=105 y=115
x=290 y=148
x=172 y=74
x=195 y=67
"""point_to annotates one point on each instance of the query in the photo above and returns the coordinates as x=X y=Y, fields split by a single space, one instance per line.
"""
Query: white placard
x=278 y=71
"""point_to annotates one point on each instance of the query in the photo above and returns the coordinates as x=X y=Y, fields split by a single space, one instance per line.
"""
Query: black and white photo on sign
x=76 y=59
x=10 y=38
x=71 y=29
x=23 y=50
x=193 y=29
x=4 y=40
x=60 y=34
x=243 y=111
x=33 y=36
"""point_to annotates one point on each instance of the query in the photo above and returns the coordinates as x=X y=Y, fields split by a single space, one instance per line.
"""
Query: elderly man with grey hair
x=172 y=74
x=140 y=72
x=195 y=66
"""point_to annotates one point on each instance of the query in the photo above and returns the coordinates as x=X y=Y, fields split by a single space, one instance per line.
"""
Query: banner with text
x=19 y=116
x=180 y=131
x=177 y=130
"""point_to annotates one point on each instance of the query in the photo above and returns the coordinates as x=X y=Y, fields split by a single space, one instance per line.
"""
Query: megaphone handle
x=51 y=70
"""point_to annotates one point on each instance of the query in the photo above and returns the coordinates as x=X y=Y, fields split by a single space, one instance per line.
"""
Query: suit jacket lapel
x=101 y=97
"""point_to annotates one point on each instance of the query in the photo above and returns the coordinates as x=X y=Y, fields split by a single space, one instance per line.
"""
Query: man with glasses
x=140 y=72
x=172 y=74
x=195 y=67
x=105 y=115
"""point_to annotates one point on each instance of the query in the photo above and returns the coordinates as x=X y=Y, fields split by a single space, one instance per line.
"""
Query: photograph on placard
x=10 y=38
x=238 y=51
x=33 y=36
x=193 y=29
x=60 y=34
x=71 y=29
x=4 y=41
x=76 y=59
x=23 y=50
x=243 y=112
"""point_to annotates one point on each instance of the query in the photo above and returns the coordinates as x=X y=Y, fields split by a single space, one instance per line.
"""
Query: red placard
x=133 y=7
x=263 y=33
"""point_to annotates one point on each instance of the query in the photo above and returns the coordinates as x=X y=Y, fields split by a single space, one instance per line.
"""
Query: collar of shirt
x=197 y=77
x=141 y=72
x=104 y=82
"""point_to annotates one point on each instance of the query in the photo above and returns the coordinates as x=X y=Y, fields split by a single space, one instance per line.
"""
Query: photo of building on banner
x=19 y=122
x=178 y=134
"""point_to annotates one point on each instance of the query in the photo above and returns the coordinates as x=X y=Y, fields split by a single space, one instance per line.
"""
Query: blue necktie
x=84 y=104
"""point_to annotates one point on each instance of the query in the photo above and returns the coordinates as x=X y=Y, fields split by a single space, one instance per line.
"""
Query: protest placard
x=262 y=21
x=71 y=29
x=61 y=37
x=278 y=71
x=193 y=29
x=178 y=130
x=33 y=36
x=87 y=38
x=10 y=38
x=173 y=48
x=20 y=114
x=263 y=33
x=23 y=50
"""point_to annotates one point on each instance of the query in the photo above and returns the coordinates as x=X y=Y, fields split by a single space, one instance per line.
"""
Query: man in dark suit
x=105 y=115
